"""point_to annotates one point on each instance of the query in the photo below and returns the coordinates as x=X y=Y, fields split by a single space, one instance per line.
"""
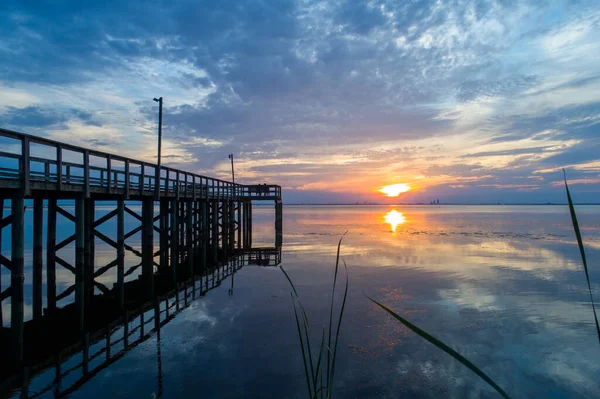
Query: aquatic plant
x=581 y=250
x=440 y=345
x=319 y=378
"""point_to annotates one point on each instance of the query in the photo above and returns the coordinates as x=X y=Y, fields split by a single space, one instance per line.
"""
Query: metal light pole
x=232 y=172
x=157 y=182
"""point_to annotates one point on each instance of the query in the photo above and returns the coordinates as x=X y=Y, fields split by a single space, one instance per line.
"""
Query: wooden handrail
x=182 y=183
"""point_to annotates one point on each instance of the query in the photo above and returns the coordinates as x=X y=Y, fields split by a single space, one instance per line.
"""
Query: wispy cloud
x=465 y=99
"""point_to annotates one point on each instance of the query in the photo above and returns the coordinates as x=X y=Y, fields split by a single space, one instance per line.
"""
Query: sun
x=395 y=189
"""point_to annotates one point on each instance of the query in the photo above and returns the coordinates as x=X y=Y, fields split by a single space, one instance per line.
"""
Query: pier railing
x=35 y=163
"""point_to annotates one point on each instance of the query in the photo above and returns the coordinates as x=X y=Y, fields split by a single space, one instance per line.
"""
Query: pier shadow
x=55 y=340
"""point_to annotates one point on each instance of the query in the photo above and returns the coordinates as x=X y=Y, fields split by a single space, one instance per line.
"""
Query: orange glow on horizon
x=395 y=189
x=394 y=218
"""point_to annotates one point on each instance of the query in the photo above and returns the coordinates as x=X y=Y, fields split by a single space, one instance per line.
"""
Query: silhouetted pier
x=200 y=223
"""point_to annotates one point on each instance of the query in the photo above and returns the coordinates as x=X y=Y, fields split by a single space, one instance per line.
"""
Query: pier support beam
x=225 y=225
x=164 y=235
x=231 y=225
x=189 y=230
x=38 y=215
x=239 y=224
x=51 y=257
x=1 y=227
x=204 y=232
x=121 y=252
x=88 y=251
x=214 y=221
x=148 y=246
x=278 y=222
x=79 y=259
x=17 y=277
x=249 y=220
x=174 y=240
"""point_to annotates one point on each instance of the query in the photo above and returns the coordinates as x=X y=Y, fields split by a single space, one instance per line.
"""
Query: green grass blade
x=319 y=372
x=310 y=356
x=337 y=333
x=306 y=326
x=337 y=262
x=302 y=348
x=439 y=344
x=581 y=251
x=304 y=316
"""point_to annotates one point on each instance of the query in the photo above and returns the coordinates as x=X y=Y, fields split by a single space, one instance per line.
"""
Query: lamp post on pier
x=232 y=172
x=157 y=178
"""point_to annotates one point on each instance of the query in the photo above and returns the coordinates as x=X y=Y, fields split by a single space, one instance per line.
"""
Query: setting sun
x=395 y=189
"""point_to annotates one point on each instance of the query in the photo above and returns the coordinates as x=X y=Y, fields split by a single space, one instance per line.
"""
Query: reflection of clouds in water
x=468 y=295
x=507 y=293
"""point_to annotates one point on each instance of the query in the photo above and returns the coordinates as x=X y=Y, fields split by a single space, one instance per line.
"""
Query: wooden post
x=86 y=354
x=164 y=234
x=51 y=256
x=86 y=172
x=121 y=252
x=59 y=173
x=249 y=224
x=127 y=177
x=278 y=222
x=109 y=171
x=157 y=317
x=189 y=229
x=231 y=223
x=25 y=166
x=1 y=218
x=215 y=230
x=79 y=259
x=25 y=383
x=205 y=231
x=17 y=277
x=239 y=224
x=225 y=225
x=88 y=251
x=177 y=188
x=38 y=214
x=174 y=240
x=126 y=330
x=148 y=246
x=142 y=178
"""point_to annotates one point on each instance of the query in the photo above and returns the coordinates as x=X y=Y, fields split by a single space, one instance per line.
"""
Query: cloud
x=318 y=94
x=38 y=117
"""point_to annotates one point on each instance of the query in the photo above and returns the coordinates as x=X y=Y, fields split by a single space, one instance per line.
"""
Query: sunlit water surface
x=503 y=285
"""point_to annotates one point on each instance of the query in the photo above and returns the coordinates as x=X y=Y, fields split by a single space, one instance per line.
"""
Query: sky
x=463 y=101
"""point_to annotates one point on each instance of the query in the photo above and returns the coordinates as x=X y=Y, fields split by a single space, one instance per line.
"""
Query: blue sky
x=467 y=101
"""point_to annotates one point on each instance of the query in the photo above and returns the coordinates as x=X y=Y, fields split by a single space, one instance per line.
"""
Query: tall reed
x=319 y=378
x=581 y=251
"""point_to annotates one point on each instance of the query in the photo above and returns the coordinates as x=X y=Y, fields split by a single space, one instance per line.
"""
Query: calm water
x=502 y=285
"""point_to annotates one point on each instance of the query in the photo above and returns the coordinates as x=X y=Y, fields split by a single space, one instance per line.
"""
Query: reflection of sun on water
x=394 y=218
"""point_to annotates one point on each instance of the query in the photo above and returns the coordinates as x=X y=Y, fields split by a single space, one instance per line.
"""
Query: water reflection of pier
x=54 y=342
x=161 y=228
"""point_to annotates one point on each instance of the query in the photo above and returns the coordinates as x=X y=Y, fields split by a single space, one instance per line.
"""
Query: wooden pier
x=188 y=224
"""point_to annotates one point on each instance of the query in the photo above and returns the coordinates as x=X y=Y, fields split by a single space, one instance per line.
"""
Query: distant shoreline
x=446 y=204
